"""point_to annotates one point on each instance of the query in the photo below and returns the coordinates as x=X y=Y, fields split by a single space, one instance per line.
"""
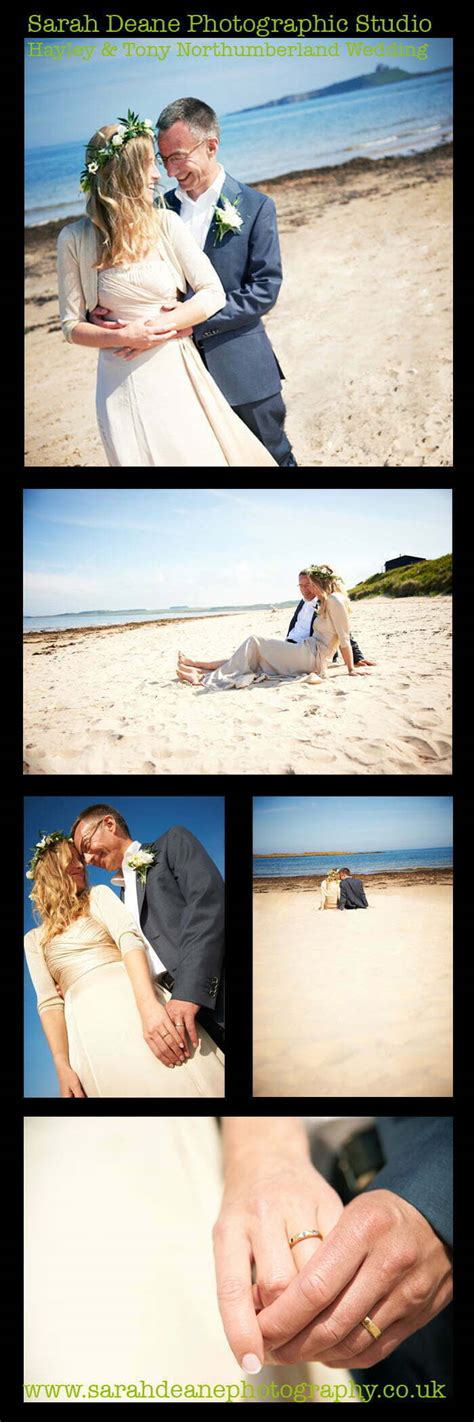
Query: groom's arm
x=201 y=940
x=261 y=279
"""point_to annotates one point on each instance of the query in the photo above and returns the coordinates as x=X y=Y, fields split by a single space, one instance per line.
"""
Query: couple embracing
x=128 y=991
x=171 y=292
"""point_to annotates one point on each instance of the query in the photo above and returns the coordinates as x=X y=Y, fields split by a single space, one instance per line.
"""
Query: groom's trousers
x=266 y=419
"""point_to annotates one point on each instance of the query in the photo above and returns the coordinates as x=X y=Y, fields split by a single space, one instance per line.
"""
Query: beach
x=362 y=326
x=108 y=701
x=355 y=1003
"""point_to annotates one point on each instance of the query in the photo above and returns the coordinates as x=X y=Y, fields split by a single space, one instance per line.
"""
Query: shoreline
x=58 y=632
x=330 y=171
x=386 y=878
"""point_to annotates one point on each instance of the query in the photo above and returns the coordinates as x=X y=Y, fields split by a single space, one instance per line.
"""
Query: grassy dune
x=419 y=579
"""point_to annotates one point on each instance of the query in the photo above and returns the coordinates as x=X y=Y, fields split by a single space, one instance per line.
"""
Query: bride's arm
x=159 y=1031
x=271 y=1191
x=55 y=1030
x=338 y=614
x=200 y=274
x=51 y=1012
x=73 y=310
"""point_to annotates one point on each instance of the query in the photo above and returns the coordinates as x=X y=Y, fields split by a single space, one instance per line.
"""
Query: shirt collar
x=132 y=849
x=211 y=195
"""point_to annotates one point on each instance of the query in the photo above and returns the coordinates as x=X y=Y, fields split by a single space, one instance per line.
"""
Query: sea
x=67 y=621
x=393 y=860
x=405 y=117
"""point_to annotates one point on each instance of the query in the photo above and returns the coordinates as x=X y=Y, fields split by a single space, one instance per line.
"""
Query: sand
x=362 y=326
x=109 y=701
x=353 y=1004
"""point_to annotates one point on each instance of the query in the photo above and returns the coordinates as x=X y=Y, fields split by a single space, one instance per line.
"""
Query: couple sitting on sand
x=313 y=638
x=171 y=291
x=343 y=891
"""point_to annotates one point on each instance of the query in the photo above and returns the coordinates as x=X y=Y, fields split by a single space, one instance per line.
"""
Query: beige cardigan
x=78 y=278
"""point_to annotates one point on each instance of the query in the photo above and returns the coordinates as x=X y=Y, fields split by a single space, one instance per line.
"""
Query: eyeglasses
x=176 y=157
x=87 y=839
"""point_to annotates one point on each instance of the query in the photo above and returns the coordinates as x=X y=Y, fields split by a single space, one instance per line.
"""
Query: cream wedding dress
x=105 y=1035
x=163 y=407
x=119 y=1274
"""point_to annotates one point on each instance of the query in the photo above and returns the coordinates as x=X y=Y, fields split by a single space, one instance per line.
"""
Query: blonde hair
x=127 y=225
x=55 y=894
x=328 y=581
x=333 y=874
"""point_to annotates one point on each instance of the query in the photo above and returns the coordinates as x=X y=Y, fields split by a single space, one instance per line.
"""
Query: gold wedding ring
x=371 y=1327
x=304 y=1234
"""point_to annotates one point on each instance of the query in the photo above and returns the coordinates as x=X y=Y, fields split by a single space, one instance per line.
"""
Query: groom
x=243 y=246
x=176 y=895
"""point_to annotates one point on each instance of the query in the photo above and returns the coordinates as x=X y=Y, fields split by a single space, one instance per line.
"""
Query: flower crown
x=130 y=127
x=320 y=570
x=45 y=843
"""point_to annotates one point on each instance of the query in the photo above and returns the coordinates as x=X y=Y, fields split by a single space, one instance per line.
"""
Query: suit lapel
x=140 y=895
x=230 y=190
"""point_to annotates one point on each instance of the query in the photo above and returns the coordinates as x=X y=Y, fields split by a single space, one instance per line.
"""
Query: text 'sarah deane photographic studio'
x=327 y=611
x=352 y=946
x=238 y=250
x=124 y=946
x=123 y=1294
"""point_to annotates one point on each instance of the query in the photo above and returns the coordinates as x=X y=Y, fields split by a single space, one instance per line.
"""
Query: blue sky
x=66 y=99
x=148 y=817
x=339 y=823
x=148 y=548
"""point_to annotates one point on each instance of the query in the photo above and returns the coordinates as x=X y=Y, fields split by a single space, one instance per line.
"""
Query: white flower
x=230 y=216
x=41 y=843
x=140 y=863
x=92 y=167
x=29 y=875
x=143 y=857
x=121 y=128
x=148 y=124
x=117 y=140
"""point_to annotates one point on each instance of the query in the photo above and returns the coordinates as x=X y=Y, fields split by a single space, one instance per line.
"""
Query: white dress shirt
x=302 y=627
x=131 y=903
x=198 y=212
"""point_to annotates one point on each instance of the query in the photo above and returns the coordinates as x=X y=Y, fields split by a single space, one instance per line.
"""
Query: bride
x=260 y=657
x=159 y=407
x=107 y=1027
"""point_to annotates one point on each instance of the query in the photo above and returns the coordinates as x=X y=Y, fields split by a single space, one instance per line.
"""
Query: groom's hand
x=183 y=1015
x=383 y=1259
x=102 y=316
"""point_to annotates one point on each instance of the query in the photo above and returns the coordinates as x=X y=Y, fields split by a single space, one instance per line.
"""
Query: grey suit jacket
x=233 y=343
x=181 y=907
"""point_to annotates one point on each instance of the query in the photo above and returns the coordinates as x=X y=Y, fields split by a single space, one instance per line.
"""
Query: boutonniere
x=227 y=219
x=141 y=862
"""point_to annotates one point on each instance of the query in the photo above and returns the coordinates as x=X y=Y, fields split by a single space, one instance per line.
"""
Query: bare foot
x=190 y=675
x=364 y=662
x=182 y=660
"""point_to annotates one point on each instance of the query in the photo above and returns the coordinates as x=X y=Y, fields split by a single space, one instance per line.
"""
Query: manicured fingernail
x=251 y=1364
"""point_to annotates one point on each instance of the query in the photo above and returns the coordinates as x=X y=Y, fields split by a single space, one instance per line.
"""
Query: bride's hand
x=160 y=1033
x=262 y=1207
x=69 y=1084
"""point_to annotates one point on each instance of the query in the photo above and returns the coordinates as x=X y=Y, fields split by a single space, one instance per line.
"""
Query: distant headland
x=315 y=853
x=383 y=74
